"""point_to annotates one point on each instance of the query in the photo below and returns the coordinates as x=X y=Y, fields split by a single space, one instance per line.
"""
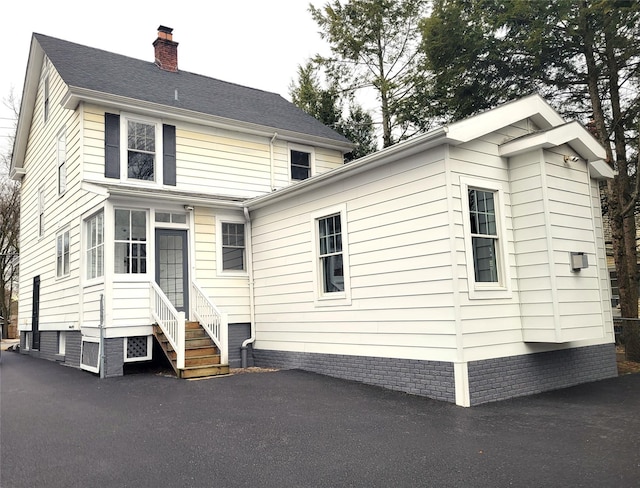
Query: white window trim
x=333 y=299
x=301 y=148
x=125 y=118
x=61 y=234
x=230 y=219
x=501 y=289
x=84 y=247
x=62 y=136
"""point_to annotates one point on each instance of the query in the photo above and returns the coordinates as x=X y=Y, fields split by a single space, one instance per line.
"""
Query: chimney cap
x=162 y=28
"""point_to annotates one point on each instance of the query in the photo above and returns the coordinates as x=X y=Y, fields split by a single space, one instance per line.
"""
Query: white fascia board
x=534 y=107
x=75 y=95
x=571 y=133
x=600 y=170
x=390 y=154
x=29 y=93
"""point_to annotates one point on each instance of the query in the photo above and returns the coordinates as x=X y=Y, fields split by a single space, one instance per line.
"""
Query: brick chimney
x=166 y=50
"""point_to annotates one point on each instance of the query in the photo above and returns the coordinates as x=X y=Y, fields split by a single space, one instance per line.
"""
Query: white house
x=466 y=264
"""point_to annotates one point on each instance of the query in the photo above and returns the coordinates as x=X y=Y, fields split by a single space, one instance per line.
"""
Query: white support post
x=224 y=338
x=181 y=341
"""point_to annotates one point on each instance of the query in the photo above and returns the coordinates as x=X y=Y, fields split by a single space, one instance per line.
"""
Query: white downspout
x=271 y=164
x=252 y=312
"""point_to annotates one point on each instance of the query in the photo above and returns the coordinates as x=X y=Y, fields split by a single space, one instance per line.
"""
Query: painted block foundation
x=501 y=378
x=489 y=380
x=433 y=379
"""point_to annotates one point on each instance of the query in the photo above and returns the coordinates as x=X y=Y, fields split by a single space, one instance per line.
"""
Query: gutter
x=252 y=310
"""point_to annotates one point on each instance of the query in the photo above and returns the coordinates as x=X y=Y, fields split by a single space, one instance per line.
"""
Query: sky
x=257 y=43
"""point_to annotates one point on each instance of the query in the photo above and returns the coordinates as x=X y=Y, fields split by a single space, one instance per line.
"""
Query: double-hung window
x=487 y=269
x=484 y=235
x=94 y=230
x=62 y=254
x=45 y=107
x=130 y=241
x=141 y=150
x=41 y=204
x=62 y=163
x=233 y=246
x=301 y=162
x=331 y=257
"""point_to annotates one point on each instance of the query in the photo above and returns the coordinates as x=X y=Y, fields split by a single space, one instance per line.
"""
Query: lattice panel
x=137 y=347
x=90 y=353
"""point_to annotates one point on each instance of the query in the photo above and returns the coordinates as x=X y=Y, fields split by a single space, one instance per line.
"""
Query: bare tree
x=9 y=226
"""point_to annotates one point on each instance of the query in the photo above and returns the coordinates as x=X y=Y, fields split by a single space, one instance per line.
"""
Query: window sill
x=489 y=293
x=233 y=274
x=340 y=299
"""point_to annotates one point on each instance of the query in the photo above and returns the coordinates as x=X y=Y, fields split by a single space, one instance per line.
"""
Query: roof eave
x=574 y=135
x=29 y=93
x=75 y=95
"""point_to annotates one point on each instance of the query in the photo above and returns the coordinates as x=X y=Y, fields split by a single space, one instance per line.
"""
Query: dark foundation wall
x=49 y=347
x=433 y=379
x=238 y=333
x=502 y=378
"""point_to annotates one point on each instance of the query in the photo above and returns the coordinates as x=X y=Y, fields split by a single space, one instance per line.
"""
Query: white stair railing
x=170 y=321
x=211 y=319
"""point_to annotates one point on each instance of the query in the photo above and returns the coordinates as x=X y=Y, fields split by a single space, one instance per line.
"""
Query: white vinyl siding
x=229 y=290
x=61 y=300
x=395 y=219
x=213 y=161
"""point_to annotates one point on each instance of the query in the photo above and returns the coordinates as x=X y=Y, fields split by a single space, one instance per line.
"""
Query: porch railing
x=211 y=319
x=170 y=321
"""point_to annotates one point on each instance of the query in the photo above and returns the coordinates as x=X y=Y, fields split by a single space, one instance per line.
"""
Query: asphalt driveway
x=60 y=427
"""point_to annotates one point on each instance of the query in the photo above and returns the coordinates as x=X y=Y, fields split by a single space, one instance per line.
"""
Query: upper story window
x=41 y=212
x=130 y=241
x=137 y=149
x=62 y=163
x=62 y=254
x=141 y=151
x=331 y=268
x=301 y=159
x=94 y=230
x=484 y=227
x=46 y=90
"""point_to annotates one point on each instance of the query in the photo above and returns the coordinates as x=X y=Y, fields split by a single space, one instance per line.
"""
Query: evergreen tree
x=375 y=45
x=326 y=105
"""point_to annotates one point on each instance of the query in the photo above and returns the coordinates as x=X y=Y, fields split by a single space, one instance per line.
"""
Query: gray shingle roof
x=94 y=69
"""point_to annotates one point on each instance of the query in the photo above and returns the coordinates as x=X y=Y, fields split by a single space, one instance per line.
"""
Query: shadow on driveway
x=61 y=427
